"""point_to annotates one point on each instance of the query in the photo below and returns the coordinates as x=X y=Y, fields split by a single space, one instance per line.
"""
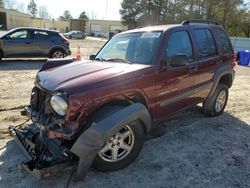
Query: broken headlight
x=59 y=104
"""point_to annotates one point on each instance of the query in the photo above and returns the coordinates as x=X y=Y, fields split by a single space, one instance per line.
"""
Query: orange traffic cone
x=78 y=53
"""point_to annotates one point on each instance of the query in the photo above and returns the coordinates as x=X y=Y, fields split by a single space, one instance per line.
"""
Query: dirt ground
x=189 y=151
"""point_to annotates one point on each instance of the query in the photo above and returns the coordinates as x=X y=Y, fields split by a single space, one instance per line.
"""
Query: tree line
x=234 y=15
x=35 y=11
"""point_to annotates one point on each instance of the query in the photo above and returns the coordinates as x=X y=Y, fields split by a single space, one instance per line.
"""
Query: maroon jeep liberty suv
x=96 y=112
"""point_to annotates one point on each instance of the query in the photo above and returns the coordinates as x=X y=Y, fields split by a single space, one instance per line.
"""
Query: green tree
x=67 y=15
x=83 y=16
x=32 y=8
x=232 y=14
x=130 y=12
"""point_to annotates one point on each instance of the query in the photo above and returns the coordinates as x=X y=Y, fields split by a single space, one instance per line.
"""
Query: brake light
x=234 y=59
x=66 y=42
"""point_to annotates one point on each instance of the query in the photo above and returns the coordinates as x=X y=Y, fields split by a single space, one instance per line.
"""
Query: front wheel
x=216 y=104
x=121 y=149
x=56 y=54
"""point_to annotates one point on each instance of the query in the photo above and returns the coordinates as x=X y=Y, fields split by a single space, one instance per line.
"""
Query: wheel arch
x=1 y=53
x=224 y=74
x=123 y=101
x=56 y=48
x=226 y=79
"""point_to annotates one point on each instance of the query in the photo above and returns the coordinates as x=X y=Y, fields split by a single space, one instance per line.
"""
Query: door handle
x=28 y=42
x=193 y=68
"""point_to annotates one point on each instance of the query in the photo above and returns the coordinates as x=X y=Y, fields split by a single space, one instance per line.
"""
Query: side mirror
x=92 y=57
x=177 y=60
x=8 y=37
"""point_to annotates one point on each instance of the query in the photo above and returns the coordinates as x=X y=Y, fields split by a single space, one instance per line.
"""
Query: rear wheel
x=1 y=56
x=122 y=148
x=57 y=54
x=216 y=104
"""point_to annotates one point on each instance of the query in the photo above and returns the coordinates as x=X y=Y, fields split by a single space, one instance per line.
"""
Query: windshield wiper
x=120 y=59
x=100 y=59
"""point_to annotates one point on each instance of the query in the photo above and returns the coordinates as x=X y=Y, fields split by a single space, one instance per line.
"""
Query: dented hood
x=84 y=75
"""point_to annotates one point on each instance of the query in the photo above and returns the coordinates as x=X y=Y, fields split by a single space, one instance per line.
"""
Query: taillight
x=66 y=42
x=234 y=59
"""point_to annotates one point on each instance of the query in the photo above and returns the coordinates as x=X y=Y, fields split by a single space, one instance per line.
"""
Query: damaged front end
x=43 y=154
x=51 y=145
x=45 y=141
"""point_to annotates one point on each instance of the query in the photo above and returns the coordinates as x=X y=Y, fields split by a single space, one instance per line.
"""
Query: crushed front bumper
x=45 y=157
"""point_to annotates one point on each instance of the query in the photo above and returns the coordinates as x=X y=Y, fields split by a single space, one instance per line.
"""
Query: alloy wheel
x=118 y=146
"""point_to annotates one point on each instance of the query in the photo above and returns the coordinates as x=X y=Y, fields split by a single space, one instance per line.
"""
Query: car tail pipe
x=94 y=138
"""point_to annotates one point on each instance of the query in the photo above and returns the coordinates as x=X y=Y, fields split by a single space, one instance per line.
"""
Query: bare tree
x=21 y=7
x=1 y=4
x=43 y=12
x=9 y=4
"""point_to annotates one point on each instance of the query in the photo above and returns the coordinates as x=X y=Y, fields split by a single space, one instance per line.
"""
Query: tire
x=113 y=156
x=215 y=105
x=57 y=53
x=1 y=56
x=70 y=37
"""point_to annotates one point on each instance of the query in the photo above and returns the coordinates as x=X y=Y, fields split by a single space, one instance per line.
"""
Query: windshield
x=139 y=47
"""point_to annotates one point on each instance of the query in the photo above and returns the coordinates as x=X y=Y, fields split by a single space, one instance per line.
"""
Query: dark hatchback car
x=33 y=42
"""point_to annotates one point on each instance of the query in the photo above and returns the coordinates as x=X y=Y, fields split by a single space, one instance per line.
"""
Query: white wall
x=240 y=43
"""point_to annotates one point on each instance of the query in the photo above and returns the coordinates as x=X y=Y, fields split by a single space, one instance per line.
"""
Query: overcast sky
x=99 y=9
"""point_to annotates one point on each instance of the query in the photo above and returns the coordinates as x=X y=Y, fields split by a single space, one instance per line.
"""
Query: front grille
x=40 y=101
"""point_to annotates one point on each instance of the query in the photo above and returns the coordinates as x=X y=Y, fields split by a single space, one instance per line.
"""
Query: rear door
x=208 y=58
x=176 y=85
x=41 y=42
x=18 y=44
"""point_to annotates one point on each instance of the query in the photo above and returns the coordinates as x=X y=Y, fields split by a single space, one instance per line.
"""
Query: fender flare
x=226 y=69
x=93 y=139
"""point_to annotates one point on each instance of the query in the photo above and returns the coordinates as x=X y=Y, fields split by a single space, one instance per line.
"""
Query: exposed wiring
x=70 y=177
x=19 y=125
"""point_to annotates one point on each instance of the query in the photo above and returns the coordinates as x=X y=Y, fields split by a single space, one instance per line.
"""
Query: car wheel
x=56 y=54
x=1 y=56
x=70 y=37
x=122 y=148
x=216 y=104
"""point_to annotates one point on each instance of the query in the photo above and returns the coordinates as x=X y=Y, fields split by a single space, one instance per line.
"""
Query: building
x=101 y=28
x=11 y=18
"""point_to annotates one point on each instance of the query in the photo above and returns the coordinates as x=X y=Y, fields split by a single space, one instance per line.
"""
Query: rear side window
x=41 y=35
x=180 y=44
x=205 y=42
x=224 y=41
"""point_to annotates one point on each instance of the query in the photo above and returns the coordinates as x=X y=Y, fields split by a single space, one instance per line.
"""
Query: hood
x=84 y=75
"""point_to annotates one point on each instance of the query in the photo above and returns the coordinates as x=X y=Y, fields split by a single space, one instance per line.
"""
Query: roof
x=33 y=28
x=153 y=28
x=169 y=26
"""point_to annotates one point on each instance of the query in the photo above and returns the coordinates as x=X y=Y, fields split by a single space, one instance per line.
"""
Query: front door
x=18 y=44
x=176 y=83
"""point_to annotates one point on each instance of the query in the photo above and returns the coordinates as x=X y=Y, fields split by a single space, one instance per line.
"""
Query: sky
x=97 y=9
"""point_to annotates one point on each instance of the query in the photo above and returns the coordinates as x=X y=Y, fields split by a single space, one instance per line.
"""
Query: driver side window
x=179 y=44
x=21 y=34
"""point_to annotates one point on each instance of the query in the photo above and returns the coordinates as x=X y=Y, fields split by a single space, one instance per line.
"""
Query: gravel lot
x=188 y=151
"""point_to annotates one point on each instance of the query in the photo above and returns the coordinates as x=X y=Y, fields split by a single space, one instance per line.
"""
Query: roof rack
x=187 y=22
